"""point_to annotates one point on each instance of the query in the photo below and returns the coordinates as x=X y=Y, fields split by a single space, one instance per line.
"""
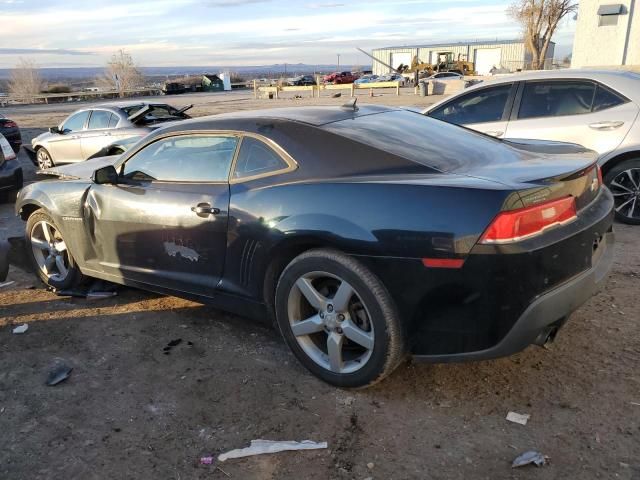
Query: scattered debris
x=336 y=95
x=218 y=468
x=6 y=284
x=206 y=460
x=370 y=465
x=637 y=404
x=521 y=418
x=58 y=373
x=170 y=345
x=259 y=447
x=21 y=329
x=530 y=457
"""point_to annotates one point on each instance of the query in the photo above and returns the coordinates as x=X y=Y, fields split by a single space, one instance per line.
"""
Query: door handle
x=204 y=209
x=606 y=125
x=495 y=133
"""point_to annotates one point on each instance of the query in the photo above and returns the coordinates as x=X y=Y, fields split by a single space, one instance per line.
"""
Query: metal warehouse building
x=511 y=55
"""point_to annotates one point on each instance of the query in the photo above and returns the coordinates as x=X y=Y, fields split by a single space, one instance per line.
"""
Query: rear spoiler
x=149 y=108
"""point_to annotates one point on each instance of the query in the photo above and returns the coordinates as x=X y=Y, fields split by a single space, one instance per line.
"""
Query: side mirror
x=54 y=130
x=105 y=176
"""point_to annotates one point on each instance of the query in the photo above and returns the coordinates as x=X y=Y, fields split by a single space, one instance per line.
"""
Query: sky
x=74 y=33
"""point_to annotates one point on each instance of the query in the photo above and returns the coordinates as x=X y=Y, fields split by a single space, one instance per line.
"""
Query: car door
x=484 y=109
x=576 y=111
x=65 y=147
x=165 y=222
x=98 y=133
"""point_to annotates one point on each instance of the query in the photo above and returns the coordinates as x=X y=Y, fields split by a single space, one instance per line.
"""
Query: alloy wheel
x=330 y=322
x=625 y=188
x=44 y=160
x=50 y=251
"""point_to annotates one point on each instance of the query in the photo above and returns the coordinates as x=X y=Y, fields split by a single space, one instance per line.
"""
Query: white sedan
x=597 y=109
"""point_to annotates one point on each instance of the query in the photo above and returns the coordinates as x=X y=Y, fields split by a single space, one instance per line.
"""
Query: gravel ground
x=131 y=411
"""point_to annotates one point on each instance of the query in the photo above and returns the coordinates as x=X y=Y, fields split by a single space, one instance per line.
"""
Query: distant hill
x=59 y=74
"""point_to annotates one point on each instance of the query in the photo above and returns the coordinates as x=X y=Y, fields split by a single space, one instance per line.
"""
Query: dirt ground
x=131 y=411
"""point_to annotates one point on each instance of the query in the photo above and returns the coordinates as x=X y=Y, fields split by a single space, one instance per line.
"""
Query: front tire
x=338 y=319
x=624 y=182
x=43 y=157
x=52 y=262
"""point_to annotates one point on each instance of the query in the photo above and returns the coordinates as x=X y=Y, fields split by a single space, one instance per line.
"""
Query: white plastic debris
x=521 y=418
x=528 y=458
x=259 y=447
x=21 y=329
x=6 y=284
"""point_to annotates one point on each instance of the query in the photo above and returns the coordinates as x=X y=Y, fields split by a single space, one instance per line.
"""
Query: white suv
x=597 y=109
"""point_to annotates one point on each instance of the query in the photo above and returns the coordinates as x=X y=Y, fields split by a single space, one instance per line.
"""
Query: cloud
x=42 y=51
x=326 y=5
x=233 y=3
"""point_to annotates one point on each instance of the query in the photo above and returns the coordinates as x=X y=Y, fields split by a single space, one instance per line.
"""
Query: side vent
x=248 y=252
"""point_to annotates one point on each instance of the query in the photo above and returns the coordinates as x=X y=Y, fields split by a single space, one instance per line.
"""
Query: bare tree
x=25 y=81
x=121 y=74
x=539 y=20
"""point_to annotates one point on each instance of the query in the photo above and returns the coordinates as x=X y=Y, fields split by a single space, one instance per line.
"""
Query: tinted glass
x=486 y=105
x=114 y=121
x=256 y=158
x=75 y=122
x=189 y=158
x=605 y=99
x=554 y=99
x=99 y=119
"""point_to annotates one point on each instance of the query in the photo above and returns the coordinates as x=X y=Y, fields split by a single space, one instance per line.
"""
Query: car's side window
x=605 y=98
x=99 y=119
x=556 y=98
x=485 y=105
x=113 y=122
x=75 y=122
x=256 y=158
x=183 y=158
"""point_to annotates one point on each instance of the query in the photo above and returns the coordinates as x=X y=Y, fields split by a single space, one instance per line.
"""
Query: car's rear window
x=415 y=137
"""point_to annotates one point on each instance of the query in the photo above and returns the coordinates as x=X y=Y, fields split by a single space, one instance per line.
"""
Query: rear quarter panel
x=378 y=219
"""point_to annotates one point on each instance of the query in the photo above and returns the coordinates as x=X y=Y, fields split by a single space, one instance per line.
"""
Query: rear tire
x=52 y=262
x=338 y=319
x=624 y=182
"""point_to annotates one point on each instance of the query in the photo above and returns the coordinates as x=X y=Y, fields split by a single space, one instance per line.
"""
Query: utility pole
x=338 y=67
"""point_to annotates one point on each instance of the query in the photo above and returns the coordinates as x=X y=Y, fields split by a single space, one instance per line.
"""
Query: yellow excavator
x=446 y=63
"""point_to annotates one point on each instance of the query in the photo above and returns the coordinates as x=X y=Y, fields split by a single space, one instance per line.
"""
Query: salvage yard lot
x=130 y=410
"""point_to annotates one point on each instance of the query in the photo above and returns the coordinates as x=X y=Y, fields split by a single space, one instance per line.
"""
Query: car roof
x=624 y=81
x=315 y=116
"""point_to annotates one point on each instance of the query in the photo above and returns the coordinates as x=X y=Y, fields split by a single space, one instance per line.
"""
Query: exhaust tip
x=546 y=337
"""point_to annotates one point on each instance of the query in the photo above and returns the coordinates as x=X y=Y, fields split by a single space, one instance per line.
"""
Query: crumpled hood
x=80 y=171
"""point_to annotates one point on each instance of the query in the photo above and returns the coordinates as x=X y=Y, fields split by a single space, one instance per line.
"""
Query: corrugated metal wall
x=512 y=54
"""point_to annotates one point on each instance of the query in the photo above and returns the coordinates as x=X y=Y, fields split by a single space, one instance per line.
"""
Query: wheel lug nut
x=330 y=308
x=321 y=314
x=341 y=317
x=339 y=330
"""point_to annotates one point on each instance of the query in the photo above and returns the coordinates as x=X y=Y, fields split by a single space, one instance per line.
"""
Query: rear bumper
x=551 y=308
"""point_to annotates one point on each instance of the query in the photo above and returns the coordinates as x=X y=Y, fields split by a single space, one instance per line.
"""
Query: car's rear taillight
x=10 y=124
x=515 y=225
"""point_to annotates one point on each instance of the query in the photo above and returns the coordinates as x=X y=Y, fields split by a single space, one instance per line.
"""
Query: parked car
x=10 y=171
x=340 y=77
x=10 y=130
x=392 y=77
x=301 y=80
x=117 y=147
x=366 y=79
x=368 y=234
x=444 y=76
x=88 y=130
x=597 y=109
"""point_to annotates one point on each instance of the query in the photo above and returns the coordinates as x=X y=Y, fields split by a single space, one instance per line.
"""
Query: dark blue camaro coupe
x=368 y=234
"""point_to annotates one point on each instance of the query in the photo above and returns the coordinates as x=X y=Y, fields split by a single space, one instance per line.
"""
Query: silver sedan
x=597 y=109
x=87 y=131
